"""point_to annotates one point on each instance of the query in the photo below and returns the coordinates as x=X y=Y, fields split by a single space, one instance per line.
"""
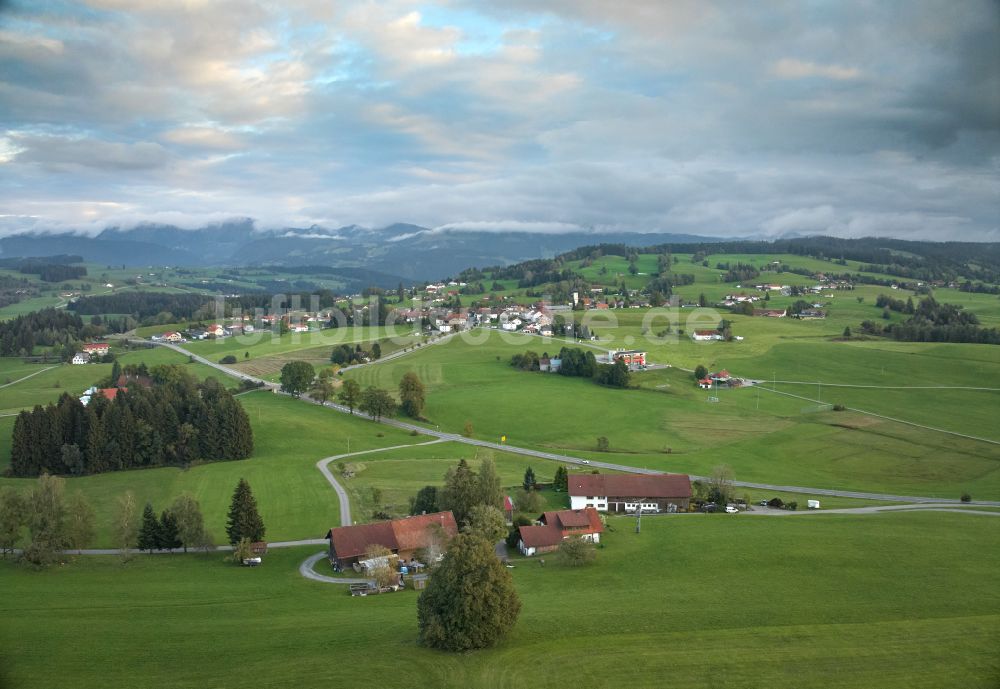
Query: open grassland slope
x=893 y=600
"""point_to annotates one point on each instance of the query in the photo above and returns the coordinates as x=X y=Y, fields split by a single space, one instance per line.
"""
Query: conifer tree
x=529 y=479
x=244 y=521
x=460 y=491
x=149 y=531
x=168 y=537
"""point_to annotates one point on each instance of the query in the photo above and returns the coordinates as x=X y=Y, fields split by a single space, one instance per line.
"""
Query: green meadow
x=669 y=424
x=893 y=600
x=289 y=436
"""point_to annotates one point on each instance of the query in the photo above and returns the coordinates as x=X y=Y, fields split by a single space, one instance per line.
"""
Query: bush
x=775 y=502
x=839 y=407
x=228 y=359
x=791 y=505
x=966 y=497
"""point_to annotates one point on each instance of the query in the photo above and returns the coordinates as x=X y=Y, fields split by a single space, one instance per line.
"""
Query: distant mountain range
x=407 y=251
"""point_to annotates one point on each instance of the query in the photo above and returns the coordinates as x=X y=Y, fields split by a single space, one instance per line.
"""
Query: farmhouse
x=404 y=537
x=555 y=527
x=625 y=493
x=96 y=349
x=81 y=358
x=706 y=335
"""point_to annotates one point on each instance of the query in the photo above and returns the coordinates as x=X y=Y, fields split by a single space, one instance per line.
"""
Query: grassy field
x=668 y=424
x=52 y=380
x=894 y=600
x=289 y=435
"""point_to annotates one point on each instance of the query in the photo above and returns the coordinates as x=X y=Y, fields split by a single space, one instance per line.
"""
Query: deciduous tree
x=377 y=403
x=490 y=492
x=190 y=522
x=350 y=394
x=425 y=501
x=80 y=520
x=470 y=601
x=296 y=377
x=46 y=521
x=488 y=522
x=126 y=525
x=577 y=552
x=412 y=396
x=13 y=508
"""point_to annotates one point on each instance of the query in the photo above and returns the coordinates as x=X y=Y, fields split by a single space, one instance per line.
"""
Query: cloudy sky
x=720 y=118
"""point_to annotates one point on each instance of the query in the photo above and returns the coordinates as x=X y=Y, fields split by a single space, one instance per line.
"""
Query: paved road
x=345 y=504
x=567 y=459
x=872 y=509
x=306 y=570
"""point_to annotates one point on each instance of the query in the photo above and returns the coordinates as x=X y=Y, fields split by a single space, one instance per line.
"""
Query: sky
x=848 y=118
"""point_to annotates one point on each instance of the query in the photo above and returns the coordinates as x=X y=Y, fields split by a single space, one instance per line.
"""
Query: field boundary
x=887 y=418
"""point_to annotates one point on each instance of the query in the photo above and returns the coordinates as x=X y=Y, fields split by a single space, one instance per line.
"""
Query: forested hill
x=908 y=259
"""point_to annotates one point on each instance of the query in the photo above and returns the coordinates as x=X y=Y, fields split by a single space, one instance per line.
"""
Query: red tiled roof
x=411 y=532
x=574 y=519
x=112 y=393
x=351 y=541
x=95 y=346
x=400 y=534
x=540 y=536
x=623 y=485
x=508 y=504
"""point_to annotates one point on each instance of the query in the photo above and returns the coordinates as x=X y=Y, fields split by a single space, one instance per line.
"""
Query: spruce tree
x=244 y=521
x=460 y=491
x=168 y=537
x=529 y=479
x=149 y=532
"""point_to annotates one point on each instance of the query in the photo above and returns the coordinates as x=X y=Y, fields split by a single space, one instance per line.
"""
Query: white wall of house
x=598 y=502
x=527 y=552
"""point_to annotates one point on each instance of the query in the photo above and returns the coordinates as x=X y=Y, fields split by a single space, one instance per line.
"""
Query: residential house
x=629 y=492
x=811 y=314
x=216 y=330
x=80 y=358
x=555 y=527
x=96 y=349
x=171 y=336
x=706 y=335
x=551 y=365
x=404 y=537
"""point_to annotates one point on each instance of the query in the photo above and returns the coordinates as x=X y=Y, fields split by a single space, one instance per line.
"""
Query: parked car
x=731 y=509
x=762 y=503
x=584 y=461
x=708 y=507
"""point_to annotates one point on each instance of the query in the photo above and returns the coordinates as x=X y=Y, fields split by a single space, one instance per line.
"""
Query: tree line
x=935 y=322
x=142 y=305
x=578 y=363
x=174 y=421
x=55 y=522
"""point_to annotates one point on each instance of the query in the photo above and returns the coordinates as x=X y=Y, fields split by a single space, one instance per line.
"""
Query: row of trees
x=55 y=522
x=175 y=421
x=578 y=363
x=463 y=490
